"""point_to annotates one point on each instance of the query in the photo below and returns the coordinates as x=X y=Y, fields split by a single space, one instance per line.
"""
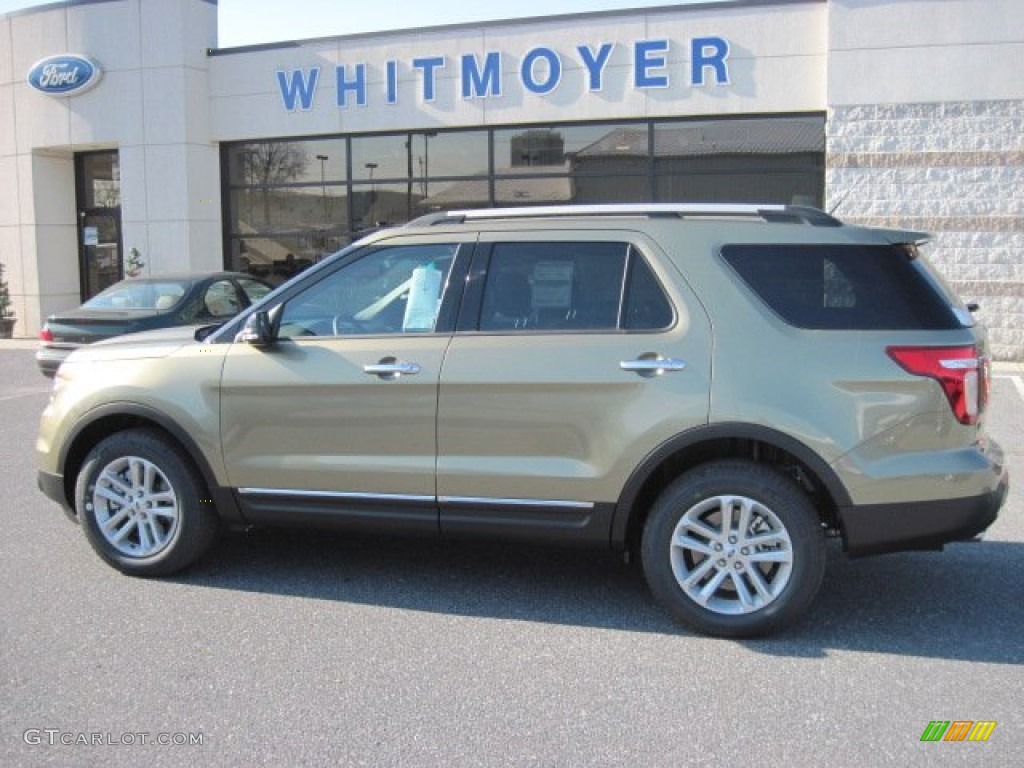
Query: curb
x=19 y=344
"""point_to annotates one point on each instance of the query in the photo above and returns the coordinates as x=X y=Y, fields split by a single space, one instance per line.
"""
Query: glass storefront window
x=531 y=190
x=439 y=155
x=278 y=257
x=421 y=155
x=384 y=205
x=268 y=163
x=554 y=148
x=296 y=198
x=762 y=160
x=284 y=209
x=381 y=157
x=767 y=184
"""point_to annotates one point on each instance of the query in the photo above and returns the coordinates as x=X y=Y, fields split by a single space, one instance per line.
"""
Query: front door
x=337 y=420
x=98 y=181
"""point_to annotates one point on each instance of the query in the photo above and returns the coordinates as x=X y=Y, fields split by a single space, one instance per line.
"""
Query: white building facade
x=176 y=155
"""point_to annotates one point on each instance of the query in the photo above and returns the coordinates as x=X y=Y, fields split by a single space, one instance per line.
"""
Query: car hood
x=158 y=343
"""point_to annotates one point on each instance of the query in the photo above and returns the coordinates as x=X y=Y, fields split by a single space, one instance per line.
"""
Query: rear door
x=577 y=354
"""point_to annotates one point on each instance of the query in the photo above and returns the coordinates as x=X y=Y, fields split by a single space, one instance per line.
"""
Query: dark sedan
x=142 y=304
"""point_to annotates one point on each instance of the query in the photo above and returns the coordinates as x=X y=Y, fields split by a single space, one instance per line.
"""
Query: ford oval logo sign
x=64 y=75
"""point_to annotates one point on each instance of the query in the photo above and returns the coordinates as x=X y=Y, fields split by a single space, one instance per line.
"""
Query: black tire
x=143 y=506
x=758 y=576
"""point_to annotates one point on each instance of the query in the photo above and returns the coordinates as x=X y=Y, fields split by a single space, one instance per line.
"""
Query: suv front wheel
x=734 y=549
x=141 y=504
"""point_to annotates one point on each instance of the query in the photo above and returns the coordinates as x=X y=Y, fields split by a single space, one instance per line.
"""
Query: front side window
x=392 y=290
x=570 y=286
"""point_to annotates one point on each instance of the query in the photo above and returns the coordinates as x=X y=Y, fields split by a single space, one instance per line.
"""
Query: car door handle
x=390 y=368
x=652 y=366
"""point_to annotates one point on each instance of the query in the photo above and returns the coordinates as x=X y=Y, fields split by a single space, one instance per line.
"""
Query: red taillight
x=962 y=374
x=984 y=376
x=45 y=334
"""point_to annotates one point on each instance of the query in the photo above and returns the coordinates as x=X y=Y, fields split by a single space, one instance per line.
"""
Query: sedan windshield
x=140 y=294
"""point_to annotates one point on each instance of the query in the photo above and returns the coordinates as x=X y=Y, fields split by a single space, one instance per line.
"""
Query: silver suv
x=716 y=389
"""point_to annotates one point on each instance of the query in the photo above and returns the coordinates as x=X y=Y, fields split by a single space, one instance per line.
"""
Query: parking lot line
x=31 y=393
x=1018 y=382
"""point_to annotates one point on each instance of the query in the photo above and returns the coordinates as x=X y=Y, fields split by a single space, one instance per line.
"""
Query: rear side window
x=646 y=307
x=844 y=287
x=571 y=286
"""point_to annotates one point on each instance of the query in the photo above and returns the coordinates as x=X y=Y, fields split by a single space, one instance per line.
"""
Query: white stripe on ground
x=33 y=393
x=1018 y=382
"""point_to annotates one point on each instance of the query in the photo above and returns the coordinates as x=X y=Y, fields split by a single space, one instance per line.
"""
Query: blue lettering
x=392 y=75
x=709 y=52
x=357 y=84
x=481 y=75
x=646 y=58
x=481 y=83
x=298 y=87
x=595 y=63
x=429 y=65
x=532 y=84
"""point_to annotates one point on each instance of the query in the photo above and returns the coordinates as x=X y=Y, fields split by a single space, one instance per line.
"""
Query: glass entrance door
x=98 y=179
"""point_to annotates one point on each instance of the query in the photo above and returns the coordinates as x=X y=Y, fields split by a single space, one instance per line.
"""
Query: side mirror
x=258 y=330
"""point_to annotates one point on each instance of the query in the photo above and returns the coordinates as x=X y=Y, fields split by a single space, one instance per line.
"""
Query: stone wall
x=954 y=169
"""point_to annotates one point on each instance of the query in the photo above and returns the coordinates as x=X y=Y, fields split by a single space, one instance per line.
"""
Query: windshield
x=140 y=295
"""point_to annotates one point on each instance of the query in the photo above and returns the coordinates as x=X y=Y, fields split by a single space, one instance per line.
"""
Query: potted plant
x=134 y=265
x=6 y=313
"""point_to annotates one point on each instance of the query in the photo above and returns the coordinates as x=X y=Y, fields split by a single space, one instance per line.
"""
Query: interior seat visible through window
x=571 y=286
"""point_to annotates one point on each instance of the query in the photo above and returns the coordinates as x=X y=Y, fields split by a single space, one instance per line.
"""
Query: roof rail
x=439 y=217
x=796 y=214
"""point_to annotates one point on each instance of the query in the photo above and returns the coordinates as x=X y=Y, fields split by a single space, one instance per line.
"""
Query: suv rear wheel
x=734 y=548
x=141 y=504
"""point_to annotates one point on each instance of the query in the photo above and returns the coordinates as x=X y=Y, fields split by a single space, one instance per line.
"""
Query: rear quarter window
x=844 y=287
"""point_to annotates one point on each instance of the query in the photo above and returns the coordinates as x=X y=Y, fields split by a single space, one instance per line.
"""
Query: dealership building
x=131 y=143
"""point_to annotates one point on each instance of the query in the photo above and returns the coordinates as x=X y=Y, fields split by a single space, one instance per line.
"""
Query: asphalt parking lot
x=301 y=648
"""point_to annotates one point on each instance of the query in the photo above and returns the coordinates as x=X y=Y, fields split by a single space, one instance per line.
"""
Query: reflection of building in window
x=281 y=205
x=537 y=147
x=763 y=161
x=273 y=162
x=295 y=228
x=512 y=186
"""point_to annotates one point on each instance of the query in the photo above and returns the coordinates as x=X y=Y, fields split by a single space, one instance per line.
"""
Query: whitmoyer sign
x=539 y=72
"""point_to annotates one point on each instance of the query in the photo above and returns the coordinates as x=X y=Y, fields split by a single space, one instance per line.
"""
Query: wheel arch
x=719 y=441
x=118 y=417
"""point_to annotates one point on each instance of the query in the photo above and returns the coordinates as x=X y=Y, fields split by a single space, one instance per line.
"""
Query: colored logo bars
x=958 y=730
